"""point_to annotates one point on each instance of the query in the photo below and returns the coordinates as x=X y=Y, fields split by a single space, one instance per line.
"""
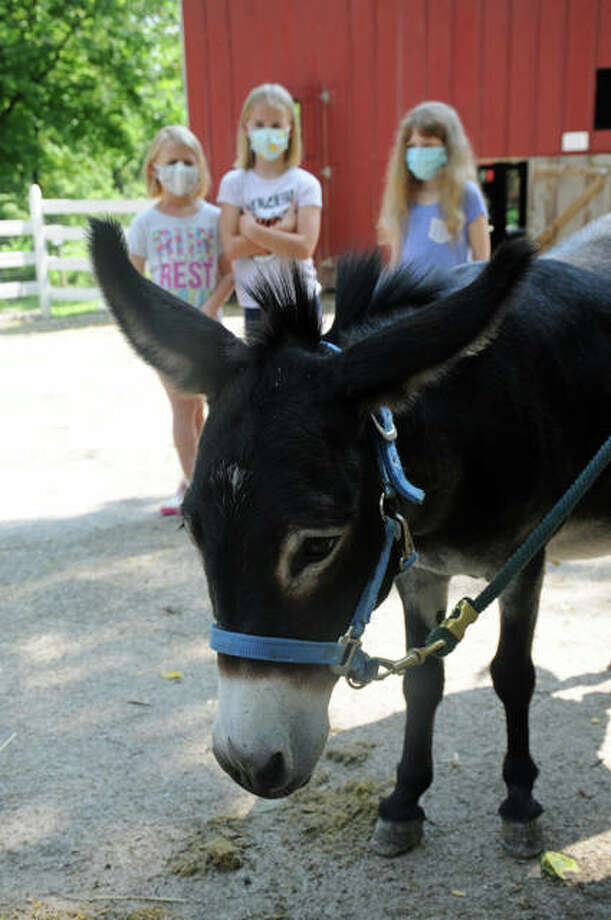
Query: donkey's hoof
x=522 y=839
x=390 y=838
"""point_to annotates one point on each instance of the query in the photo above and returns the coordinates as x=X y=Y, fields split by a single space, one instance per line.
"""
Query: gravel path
x=112 y=804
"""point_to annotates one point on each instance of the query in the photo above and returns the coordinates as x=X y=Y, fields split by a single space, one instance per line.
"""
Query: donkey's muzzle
x=269 y=778
x=270 y=730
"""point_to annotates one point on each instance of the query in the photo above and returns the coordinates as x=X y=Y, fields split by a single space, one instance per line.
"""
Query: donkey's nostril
x=273 y=775
x=268 y=778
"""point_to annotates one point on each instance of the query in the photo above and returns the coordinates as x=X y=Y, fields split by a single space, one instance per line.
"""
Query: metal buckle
x=408 y=554
x=349 y=643
x=463 y=615
x=408 y=544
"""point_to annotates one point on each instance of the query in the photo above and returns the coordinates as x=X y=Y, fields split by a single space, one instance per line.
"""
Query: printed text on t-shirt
x=185 y=256
x=277 y=200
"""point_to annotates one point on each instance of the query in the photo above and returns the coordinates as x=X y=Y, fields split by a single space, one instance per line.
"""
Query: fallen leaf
x=172 y=675
x=558 y=864
x=459 y=893
x=595 y=720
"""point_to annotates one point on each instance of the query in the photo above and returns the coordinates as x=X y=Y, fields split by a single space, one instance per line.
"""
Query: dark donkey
x=499 y=378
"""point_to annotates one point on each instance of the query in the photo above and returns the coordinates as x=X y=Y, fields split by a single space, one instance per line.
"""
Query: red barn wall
x=520 y=73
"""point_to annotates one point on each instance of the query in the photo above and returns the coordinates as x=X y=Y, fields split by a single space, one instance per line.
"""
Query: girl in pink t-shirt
x=178 y=239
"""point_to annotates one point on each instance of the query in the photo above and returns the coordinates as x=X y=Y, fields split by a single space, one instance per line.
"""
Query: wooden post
x=548 y=237
x=40 y=249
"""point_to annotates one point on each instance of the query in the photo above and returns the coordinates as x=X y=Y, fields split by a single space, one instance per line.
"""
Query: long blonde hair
x=433 y=119
x=176 y=134
x=276 y=95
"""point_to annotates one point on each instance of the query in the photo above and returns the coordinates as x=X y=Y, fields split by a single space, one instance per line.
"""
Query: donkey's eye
x=305 y=555
x=314 y=549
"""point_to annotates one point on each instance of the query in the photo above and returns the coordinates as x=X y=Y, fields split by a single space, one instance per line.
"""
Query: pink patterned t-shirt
x=182 y=252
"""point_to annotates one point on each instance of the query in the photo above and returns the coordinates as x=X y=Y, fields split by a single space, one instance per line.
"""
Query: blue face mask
x=425 y=162
x=269 y=143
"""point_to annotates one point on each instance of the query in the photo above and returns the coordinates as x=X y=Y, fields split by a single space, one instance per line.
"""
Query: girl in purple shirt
x=433 y=211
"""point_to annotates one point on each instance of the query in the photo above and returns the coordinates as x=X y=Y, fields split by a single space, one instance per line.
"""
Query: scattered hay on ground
x=350 y=754
x=331 y=819
x=39 y=910
x=147 y=913
x=219 y=845
x=338 y=819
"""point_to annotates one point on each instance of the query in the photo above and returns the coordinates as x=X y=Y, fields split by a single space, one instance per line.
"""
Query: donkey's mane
x=290 y=311
x=367 y=296
x=368 y=293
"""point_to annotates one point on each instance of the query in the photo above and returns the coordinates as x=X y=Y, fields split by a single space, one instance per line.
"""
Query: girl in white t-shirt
x=178 y=238
x=270 y=207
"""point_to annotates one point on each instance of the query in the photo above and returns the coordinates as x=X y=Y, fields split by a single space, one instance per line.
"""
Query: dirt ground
x=112 y=805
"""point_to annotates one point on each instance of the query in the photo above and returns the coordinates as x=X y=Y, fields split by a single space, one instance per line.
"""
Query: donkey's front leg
x=513 y=676
x=399 y=824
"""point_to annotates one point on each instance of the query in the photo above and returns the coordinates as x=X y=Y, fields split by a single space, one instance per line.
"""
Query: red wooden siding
x=551 y=72
x=520 y=73
x=490 y=135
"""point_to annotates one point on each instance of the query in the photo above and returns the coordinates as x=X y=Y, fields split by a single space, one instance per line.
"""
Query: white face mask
x=178 y=178
x=269 y=143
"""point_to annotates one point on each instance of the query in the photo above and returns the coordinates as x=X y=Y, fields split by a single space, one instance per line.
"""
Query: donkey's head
x=283 y=505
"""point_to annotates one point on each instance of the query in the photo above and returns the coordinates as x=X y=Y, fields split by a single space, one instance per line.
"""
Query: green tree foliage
x=84 y=86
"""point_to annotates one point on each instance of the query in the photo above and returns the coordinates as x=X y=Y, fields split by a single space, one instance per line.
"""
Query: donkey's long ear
x=393 y=363
x=189 y=348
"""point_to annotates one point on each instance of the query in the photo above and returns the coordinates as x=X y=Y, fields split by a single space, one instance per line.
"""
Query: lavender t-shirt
x=426 y=243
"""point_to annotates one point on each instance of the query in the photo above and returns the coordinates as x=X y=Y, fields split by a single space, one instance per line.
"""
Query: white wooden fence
x=42 y=234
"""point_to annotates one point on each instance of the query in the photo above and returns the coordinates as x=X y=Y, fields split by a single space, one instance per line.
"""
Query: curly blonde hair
x=276 y=95
x=433 y=119
x=175 y=134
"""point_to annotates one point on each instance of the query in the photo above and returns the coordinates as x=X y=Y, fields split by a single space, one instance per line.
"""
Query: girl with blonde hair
x=270 y=207
x=433 y=212
x=179 y=239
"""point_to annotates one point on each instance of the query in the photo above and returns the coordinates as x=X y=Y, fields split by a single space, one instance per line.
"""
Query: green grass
x=58 y=307
x=67 y=308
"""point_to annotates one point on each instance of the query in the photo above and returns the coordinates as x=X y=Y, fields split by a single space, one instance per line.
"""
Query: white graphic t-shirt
x=268 y=200
x=182 y=252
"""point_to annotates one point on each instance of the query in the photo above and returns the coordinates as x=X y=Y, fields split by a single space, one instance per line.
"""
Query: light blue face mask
x=425 y=162
x=269 y=143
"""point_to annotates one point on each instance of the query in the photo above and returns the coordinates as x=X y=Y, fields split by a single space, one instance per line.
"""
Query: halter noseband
x=345 y=656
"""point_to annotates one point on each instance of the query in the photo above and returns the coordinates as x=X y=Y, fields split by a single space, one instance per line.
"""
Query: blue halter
x=345 y=656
